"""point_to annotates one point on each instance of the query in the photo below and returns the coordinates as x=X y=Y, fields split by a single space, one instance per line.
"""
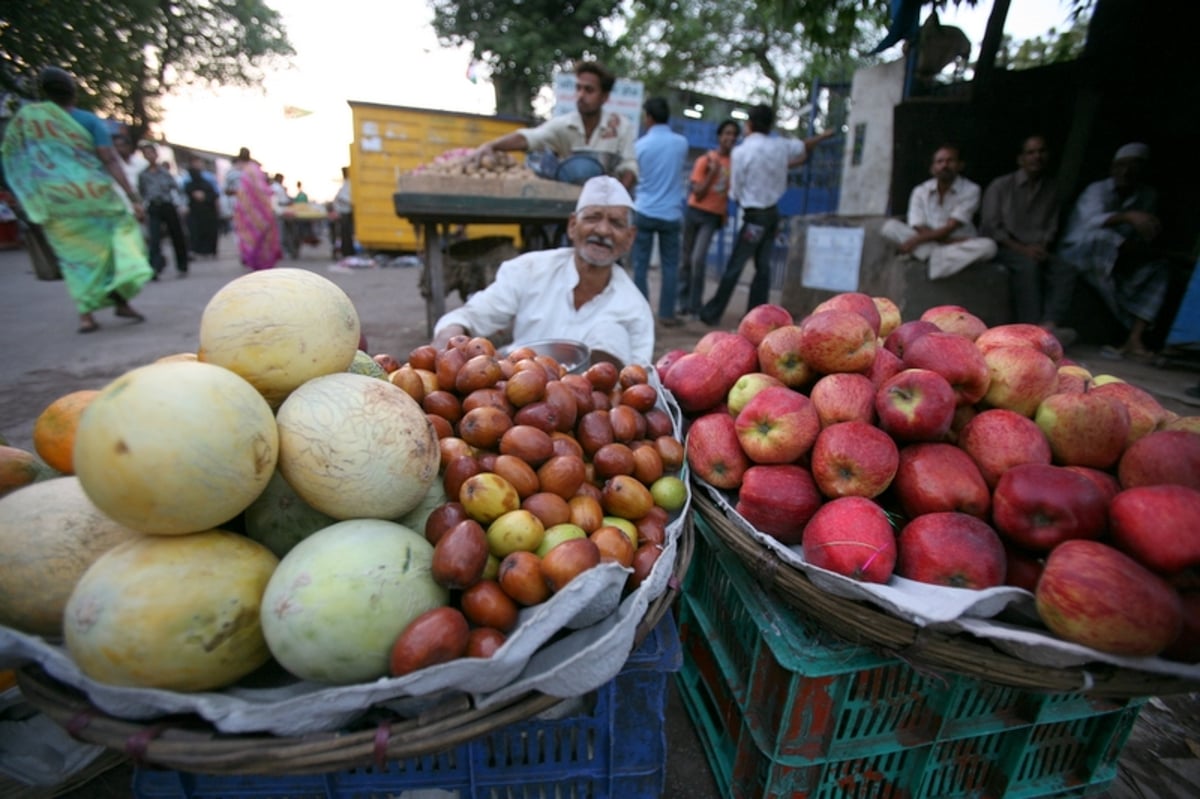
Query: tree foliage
x=523 y=42
x=1054 y=47
x=127 y=54
x=693 y=43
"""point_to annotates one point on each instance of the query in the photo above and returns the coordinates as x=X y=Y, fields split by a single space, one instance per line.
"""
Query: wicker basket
x=960 y=653
x=191 y=744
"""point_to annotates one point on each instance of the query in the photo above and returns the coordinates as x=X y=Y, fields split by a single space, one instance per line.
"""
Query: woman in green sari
x=60 y=163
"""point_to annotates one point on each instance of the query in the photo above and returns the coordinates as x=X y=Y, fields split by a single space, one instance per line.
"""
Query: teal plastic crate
x=616 y=749
x=786 y=710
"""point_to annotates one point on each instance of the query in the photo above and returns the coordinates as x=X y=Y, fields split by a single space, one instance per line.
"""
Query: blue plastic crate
x=616 y=749
x=785 y=710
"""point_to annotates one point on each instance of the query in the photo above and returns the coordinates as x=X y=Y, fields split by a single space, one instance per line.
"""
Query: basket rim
x=921 y=647
x=190 y=744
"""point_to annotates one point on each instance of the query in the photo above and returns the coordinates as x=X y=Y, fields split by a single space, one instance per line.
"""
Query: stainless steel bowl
x=574 y=356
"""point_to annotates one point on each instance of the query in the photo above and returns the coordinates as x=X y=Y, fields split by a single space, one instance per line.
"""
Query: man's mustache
x=604 y=240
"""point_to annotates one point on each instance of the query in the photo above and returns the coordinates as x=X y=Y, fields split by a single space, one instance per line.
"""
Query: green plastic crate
x=786 y=710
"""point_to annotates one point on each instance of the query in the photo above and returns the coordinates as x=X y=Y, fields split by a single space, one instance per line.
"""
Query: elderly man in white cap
x=571 y=292
x=1108 y=238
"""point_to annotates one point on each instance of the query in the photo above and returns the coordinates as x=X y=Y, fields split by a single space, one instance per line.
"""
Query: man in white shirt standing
x=941 y=229
x=758 y=178
x=571 y=292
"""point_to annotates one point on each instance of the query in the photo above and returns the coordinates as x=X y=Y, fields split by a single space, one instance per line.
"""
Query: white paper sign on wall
x=832 y=256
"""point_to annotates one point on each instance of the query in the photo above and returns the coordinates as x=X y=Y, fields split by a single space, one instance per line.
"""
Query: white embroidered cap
x=603 y=190
x=1133 y=150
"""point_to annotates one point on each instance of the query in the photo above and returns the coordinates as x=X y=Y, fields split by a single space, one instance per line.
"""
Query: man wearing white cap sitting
x=1108 y=238
x=571 y=292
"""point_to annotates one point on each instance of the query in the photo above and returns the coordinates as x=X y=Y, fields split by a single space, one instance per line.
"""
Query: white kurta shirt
x=758 y=170
x=533 y=294
x=961 y=202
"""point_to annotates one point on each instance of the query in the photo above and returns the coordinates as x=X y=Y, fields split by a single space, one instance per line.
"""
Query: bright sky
x=387 y=53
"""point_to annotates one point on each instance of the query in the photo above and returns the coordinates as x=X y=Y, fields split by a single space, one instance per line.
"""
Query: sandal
x=129 y=313
x=88 y=327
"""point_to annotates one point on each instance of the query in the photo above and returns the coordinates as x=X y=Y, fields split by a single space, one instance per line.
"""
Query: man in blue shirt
x=662 y=158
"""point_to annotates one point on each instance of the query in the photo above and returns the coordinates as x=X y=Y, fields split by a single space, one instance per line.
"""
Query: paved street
x=42 y=357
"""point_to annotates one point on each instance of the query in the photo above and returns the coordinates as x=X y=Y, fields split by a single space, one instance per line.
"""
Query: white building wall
x=867 y=168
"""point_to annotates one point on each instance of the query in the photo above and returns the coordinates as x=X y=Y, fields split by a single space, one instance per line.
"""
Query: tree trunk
x=514 y=96
x=985 y=67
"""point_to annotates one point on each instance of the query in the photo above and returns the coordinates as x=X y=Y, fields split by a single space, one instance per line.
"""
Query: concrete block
x=983 y=289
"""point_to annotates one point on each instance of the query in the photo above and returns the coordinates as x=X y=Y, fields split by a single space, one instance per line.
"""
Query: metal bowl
x=574 y=356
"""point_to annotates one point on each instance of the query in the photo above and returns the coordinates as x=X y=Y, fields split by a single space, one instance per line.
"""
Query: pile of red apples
x=947 y=452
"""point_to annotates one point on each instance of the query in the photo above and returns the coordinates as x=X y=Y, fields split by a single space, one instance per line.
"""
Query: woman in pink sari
x=254 y=220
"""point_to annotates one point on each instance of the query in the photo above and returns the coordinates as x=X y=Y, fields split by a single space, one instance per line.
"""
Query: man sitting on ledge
x=940 y=230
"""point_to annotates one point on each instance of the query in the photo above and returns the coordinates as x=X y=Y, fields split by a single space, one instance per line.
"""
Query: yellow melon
x=177 y=447
x=50 y=533
x=279 y=328
x=173 y=612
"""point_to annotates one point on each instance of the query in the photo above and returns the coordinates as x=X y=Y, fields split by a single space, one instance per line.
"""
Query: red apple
x=697 y=382
x=1093 y=595
x=955 y=319
x=998 y=440
x=900 y=339
x=1072 y=379
x=761 y=320
x=1146 y=414
x=854 y=459
x=855 y=302
x=1022 y=569
x=705 y=344
x=1159 y=525
x=735 y=355
x=779 y=356
x=916 y=405
x=837 y=341
x=889 y=315
x=1019 y=378
x=1038 y=506
x=779 y=500
x=746 y=387
x=853 y=537
x=844 y=397
x=713 y=451
x=952 y=549
x=955 y=358
x=886 y=366
x=1105 y=481
x=1086 y=429
x=777 y=426
x=1021 y=335
x=939 y=477
x=1165 y=456
x=664 y=364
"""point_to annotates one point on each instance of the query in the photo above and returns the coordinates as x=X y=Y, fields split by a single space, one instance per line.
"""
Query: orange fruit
x=54 y=430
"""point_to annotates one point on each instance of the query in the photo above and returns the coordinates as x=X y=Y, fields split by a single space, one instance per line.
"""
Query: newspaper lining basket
x=191 y=744
x=963 y=654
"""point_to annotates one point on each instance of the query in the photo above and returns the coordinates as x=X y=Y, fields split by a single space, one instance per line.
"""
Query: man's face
x=727 y=139
x=1034 y=156
x=1128 y=173
x=589 y=97
x=601 y=233
x=151 y=154
x=945 y=165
